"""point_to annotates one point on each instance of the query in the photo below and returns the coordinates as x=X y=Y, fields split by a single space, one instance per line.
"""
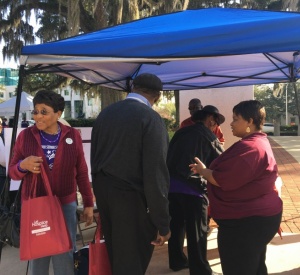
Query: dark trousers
x=243 y=243
x=188 y=213
x=2 y=177
x=127 y=227
x=2 y=182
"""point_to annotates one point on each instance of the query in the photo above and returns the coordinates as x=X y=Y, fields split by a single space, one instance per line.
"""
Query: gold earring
x=248 y=129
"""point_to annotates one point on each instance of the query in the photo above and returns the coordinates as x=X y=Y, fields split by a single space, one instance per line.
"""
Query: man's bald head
x=195 y=105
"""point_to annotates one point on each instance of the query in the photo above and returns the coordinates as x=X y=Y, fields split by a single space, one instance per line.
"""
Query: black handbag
x=10 y=214
x=2 y=171
x=2 y=177
x=81 y=261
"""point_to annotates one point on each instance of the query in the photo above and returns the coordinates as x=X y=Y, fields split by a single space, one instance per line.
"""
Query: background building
x=77 y=105
x=8 y=82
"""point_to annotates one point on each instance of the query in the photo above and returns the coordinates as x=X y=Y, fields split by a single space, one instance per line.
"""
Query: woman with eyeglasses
x=58 y=148
x=187 y=195
x=241 y=190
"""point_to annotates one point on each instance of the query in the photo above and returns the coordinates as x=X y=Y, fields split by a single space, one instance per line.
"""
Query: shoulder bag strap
x=98 y=234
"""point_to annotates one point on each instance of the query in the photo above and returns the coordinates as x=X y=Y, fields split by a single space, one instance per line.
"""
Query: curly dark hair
x=51 y=99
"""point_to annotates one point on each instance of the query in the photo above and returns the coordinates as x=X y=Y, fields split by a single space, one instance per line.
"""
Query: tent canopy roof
x=188 y=50
x=8 y=107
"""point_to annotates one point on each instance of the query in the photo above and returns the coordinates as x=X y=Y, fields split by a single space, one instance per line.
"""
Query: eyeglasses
x=213 y=123
x=217 y=121
x=42 y=112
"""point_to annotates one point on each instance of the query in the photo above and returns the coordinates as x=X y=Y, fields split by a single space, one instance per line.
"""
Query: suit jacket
x=129 y=143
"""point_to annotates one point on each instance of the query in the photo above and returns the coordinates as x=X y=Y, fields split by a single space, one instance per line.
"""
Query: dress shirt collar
x=139 y=98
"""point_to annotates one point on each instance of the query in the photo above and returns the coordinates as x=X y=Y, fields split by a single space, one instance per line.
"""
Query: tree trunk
x=100 y=15
x=117 y=11
x=73 y=17
x=109 y=96
x=131 y=11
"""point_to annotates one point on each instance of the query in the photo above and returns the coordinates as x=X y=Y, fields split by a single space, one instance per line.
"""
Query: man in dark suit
x=130 y=176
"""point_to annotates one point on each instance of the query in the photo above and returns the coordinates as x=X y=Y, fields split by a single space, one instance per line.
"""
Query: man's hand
x=88 y=215
x=160 y=240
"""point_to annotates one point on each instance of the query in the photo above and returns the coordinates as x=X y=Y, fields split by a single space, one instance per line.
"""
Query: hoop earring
x=248 y=129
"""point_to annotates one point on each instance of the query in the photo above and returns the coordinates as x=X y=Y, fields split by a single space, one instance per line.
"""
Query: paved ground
x=282 y=254
x=287 y=154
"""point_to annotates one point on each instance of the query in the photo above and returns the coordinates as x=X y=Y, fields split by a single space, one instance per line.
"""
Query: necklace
x=52 y=141
x=58 y=130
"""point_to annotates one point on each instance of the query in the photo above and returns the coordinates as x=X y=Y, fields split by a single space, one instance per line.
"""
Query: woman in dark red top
x=241 y=192
x=58 y=148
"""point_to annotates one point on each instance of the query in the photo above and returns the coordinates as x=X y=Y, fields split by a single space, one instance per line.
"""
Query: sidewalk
x=287 y=154
x=282 y=254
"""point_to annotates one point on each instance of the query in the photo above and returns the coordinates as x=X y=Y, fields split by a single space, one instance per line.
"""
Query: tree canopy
x=275 y=103
x=58 y=19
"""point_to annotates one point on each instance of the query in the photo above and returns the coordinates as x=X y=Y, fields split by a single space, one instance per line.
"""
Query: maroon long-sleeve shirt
x=69 y=170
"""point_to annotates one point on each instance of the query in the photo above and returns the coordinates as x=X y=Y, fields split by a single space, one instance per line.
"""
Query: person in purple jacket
x=187 y=197
x=241 y=190
x=58 y=148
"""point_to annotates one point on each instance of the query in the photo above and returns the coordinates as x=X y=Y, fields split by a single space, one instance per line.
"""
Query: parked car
x=31 y=122
x=268 y=128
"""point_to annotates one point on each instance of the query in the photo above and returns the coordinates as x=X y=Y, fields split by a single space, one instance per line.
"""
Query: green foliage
x=81 y=122
x=48 y=81
x=171 y=134
x=275 y=105
x=167 y=111
x=289 y=130
x=167 y=122
x=171 y=125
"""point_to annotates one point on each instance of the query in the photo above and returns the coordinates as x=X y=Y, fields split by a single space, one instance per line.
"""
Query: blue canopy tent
x=192 y=49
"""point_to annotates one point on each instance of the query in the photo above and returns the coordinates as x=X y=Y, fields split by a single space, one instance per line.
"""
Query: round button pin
x=69 y=140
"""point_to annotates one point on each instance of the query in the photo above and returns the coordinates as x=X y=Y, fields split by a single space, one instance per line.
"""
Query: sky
x=7 y=64
x=11 y=63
